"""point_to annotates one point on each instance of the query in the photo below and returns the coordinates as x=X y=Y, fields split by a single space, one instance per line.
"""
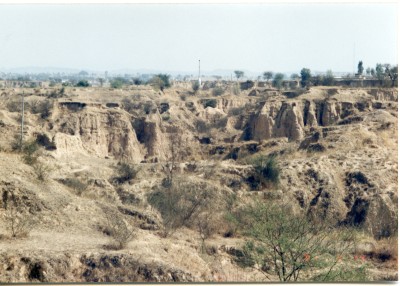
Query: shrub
x=118 y=229
x=16 y=143
x=57 y=93
x=165 y=116
x=294 y=93
x=195 y=86
x=137 y=81
x=30 y=152
x=246 y=85
x=266 y=170
x=210 y=103
x=147 y=107
x=117 y=83
x=41 y=170
x=125 y=172
x=160 y=81
x=16 y=106
x=217 y=91
x=77 y=185
x=201 y=126
x=236 y=88
x=278 y=80
x=44 y=141
x=129 y=105
x=82 y=83
x=183 y=204
x=235 y=111
x=43 y=107
x=18 y=223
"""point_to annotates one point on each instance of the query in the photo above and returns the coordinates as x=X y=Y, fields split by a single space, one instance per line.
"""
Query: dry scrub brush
x=116 y=227
x=124 y=172
x=186 y=203
x=18 y=222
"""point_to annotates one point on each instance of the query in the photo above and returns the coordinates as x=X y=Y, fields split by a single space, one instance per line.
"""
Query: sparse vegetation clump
x=266 y=171
x=117 y=82
x=236 y=88
x=195 y=87
x=160 y=81
x=19 y=223
x=124 y=172
x=42 y=107
x=78 y=185
x=278 y=80
x=185 y=203
x=42 y=170
x=16 y=105
x=116 y=227
x=82 y=83
x=30 y=152
x=210 y=103
x=218 y=91
x=43 y=140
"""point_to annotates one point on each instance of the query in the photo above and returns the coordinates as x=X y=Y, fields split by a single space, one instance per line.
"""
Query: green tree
x=392 y=73
x=239 y=74
x=285 y=244
x=380 y=72
x=305 y=77
x=360 y=68
x=372 y=72
x=117 y=82
x=328 y=79
x=83 y=73
x=161 y=81
x=368 y=71
x=278 y=80
x=294 y=76
x=268 y=75
x=82 y=83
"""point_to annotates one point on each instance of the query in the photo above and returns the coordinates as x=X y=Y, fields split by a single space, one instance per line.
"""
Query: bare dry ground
x=336 y=149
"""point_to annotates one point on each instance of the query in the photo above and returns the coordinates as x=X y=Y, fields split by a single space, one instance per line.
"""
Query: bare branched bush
x=18 y=223
x=207 y=224
x=183 y=204
x=16 y=106
x=118 y=229
x=42 y=170
x=176 y=153
x=42 y=107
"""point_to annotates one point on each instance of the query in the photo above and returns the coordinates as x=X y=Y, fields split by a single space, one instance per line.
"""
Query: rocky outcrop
x=91 y=267
x=291 y=118
x=384 y=94
x=97 y=132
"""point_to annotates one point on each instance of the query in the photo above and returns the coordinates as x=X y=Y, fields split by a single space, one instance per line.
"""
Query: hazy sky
x=256 y=37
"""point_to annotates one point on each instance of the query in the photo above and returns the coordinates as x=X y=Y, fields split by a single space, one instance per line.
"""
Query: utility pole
x=22 y=120
x=199 y=75
x=354 y=58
